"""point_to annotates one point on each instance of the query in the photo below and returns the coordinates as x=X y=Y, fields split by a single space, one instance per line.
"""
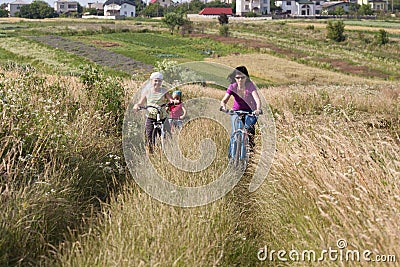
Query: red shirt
x=176 y=111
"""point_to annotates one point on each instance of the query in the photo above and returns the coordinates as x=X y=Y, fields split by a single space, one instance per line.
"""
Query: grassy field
x=68 y=198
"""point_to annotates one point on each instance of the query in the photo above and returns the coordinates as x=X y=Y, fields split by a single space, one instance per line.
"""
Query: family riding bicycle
x=156 y=99
x=246 y=108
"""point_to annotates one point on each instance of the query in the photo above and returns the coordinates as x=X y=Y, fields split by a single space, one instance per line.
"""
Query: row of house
x=127 y=8
x=304 y=7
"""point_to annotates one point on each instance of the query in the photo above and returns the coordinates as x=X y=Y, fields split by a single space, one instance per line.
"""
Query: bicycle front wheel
x=157 y=138
x=236 y=151
x=244 y=155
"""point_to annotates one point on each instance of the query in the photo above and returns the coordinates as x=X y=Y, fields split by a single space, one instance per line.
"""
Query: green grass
x=298 y=44
x=26 y=51
x=152 y=47
x=373 y=23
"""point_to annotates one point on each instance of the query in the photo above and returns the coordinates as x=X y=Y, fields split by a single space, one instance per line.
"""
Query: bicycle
x=239 y=141
x=158 y=133
x=176 y=124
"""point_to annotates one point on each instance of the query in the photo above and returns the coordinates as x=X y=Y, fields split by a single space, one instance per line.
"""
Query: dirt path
x=97 y=55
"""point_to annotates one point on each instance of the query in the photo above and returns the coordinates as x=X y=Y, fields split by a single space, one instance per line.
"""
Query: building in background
x=300 y=7
x=98 y=6
x=376 y=5
x=119 y=8
x=14 y=7
x=63 y=7
x=256 y=6
x=332 y=6
x=163 y=3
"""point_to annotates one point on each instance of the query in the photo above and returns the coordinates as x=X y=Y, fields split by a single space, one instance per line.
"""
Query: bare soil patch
x=98 y=55
x=105 y=44
x=346 y=67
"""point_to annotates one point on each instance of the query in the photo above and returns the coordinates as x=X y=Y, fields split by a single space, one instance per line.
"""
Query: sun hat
x=156 y=75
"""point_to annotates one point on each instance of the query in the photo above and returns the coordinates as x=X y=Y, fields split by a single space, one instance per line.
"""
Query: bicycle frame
x=158 y=126
x=238 y=147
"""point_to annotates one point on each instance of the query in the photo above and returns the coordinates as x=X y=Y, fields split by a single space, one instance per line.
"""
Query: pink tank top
x=176 y=111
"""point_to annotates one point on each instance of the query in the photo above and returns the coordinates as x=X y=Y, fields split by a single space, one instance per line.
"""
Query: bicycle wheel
x=237 y=150
x=245 y=151
x=156 y=138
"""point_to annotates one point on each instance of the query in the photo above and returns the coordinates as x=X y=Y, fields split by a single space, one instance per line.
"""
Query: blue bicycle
x=239 y=142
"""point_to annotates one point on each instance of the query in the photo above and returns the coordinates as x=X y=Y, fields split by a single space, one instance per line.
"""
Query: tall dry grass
x=336 y=171
x=59 y=158
x=67 y=198
x=334 y=177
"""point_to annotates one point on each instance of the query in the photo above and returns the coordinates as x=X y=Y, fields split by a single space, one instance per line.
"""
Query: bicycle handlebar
x=157 y=107
x=239 y=112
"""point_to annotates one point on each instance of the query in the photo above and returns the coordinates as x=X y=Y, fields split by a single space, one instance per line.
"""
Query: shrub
x=310 y=27
x=382 y=37
x=335 y=31
x=223 y=19
x=251 y=14
x=224 y=30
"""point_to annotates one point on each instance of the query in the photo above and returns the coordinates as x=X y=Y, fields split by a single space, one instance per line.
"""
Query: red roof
x=216 y=11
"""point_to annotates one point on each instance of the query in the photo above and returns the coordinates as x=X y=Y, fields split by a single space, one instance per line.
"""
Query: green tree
x=233 y=5
x=224 y=30
x=274 y=8
x=365 y=10
x=217 y=3
x=37 y=10
x=353 y=8
x=153 y=10
x=139 y=6
x=90 y=11
x=3 y=11
x=80 y=9
x=174 y=19
x=336 y=31
x=382 y=37
x=339 y=11
x=195 y=6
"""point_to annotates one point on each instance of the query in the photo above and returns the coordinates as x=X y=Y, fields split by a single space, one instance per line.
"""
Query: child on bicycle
x=245 y=97
x=154 y=95
x=177 y=112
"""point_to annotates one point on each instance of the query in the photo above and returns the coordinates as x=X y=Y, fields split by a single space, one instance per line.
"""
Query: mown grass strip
x=152 y=47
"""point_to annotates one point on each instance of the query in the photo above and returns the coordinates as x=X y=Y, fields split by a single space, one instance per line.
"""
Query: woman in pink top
x=177 y=111
x=245 y=97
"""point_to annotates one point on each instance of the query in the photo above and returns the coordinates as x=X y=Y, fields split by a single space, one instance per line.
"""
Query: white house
x=62 y=7
x=376 y=5
x=163 y=3
x=14 y=7
x=333 y=5
x=256 y=6
x=300 y=7
x=124 y=8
